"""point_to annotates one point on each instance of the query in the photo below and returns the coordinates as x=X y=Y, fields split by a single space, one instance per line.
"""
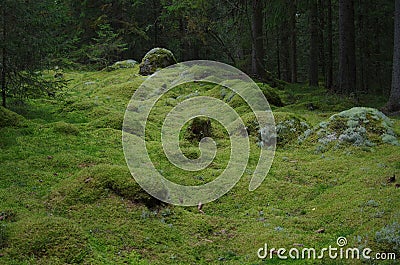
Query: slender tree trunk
x=347 y=56
x=278 y=54
x=321 y=35
x=3 y=79
x=156 y=15
x=329 y=65
x=3 y=61
x=293 y=40
x=257 y=39
x=285 y=47
x=394 y=99
x=314 y=44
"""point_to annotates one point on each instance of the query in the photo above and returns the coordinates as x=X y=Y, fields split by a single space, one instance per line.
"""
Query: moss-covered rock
x=288 y=128
x=155 y=59
x=358 y=126
x=9 y=118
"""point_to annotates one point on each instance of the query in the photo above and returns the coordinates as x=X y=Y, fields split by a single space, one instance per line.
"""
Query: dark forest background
x=345 y=46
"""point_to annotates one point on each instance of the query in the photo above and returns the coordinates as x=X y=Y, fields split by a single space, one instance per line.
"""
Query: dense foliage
x=295 y=41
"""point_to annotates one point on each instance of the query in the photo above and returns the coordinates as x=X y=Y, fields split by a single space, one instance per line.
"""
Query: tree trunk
x=285 y=47
x=321 y=37
x=394 y=100
x=3 y=61
x=257 y=39
x=347 y=56
x=278 y=53
x=329 y=65
x=3 y=79
x=293 y=40
x=314 y=44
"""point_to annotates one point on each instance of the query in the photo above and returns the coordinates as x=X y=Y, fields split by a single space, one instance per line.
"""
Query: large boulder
x=155 y=59
x=357 y=126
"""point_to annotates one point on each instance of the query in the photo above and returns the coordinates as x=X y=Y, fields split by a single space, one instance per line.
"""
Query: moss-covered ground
x=67 y=197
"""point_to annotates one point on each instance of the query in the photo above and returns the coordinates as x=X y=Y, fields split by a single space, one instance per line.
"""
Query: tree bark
x=278 y=53
x=329 y=65
x=284 y=52
x=313 y=79
x=347 y=56
x=3 y=61
x=257 y=39
x=293 y=40
x=394 y=99
x=321 y=37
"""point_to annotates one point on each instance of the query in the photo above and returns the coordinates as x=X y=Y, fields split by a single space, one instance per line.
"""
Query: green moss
x=96 y=182
x=10 y=119
x=48 y=236
x=272 y=96
x=79 y=105
x=65 y=128
x=112 y=120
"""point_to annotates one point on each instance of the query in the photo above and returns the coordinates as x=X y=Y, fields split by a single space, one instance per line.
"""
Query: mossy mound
x=9 y=118
x=235 y=101
x=358 y=126
x=288 y=127
x=271 y=95
x=96 y=182
x=49 y=236
x=65 y=128
x=71 y=106
x=155 y=59
x=122 y=65
x=111 y=120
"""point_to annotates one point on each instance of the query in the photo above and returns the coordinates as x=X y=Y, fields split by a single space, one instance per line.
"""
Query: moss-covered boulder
x=358 y=126
x=155 y=59
x=288 y=128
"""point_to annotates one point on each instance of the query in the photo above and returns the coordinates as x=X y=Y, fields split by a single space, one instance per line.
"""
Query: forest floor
x=66 y=194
